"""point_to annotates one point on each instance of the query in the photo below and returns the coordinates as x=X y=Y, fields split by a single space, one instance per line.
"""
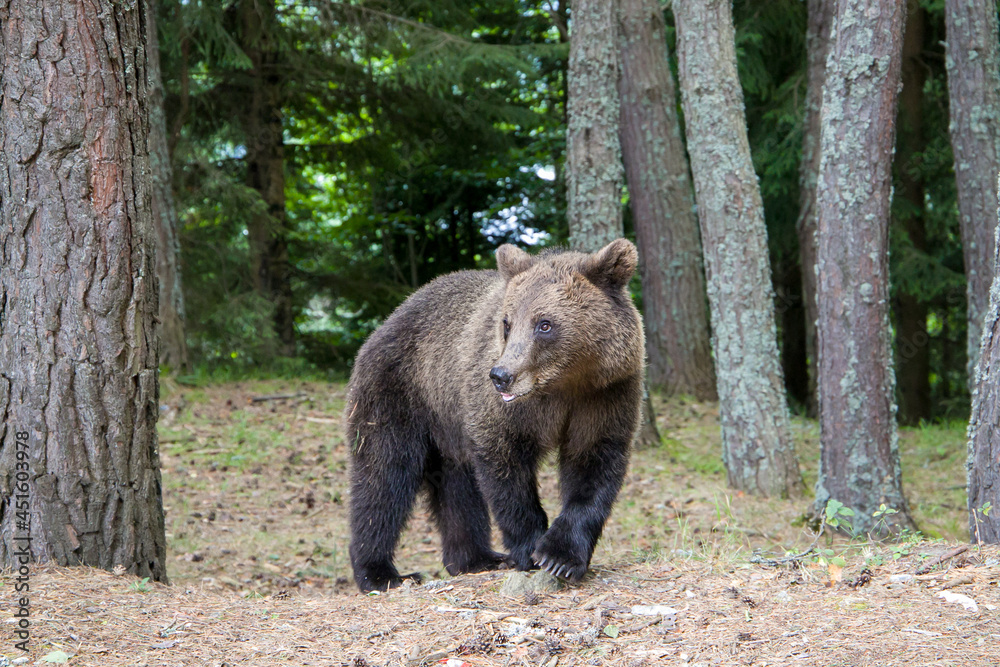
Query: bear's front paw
x=555 y=554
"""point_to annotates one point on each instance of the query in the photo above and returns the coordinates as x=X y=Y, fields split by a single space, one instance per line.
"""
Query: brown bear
x=469 y=383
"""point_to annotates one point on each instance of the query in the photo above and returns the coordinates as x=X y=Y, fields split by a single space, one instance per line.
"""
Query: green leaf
x=838 y=561
x=57 y=657
x=611 y=631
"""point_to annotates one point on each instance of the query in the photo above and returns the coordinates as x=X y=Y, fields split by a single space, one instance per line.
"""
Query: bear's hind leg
x=385 y=479
x=462 y=517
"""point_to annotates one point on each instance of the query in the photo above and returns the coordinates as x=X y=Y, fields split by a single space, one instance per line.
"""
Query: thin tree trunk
x=817 y=45
x=265 y=159
x=593 y=152
x=912 y=342
x=973 y=62
x=859 y=457
x=173 y=347
x=78 y=343
x=666 y=228
x=984 y=436
x=756 y=444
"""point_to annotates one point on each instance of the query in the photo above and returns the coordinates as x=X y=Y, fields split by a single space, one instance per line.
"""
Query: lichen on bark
x=859 y=456
x=757 y=447
x=593 y=151
x=972 y=58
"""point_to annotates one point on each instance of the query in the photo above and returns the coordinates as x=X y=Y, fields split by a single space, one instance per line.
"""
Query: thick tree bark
x=859 y=457
x=593 y=152
x=817 y=45
x=265 y=160
x=756 y=444
x=173 y=347
x=666 y=228
x=983 y=465
x=78 y=302
x=913 y=357
x=973 y=62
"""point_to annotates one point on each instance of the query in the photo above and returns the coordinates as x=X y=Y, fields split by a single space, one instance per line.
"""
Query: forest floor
x=256 y=499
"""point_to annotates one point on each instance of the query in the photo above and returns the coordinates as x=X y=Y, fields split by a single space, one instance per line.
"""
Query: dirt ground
x=256 y=497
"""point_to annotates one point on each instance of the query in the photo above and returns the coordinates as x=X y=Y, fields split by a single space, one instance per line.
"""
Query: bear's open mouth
x=507 y=397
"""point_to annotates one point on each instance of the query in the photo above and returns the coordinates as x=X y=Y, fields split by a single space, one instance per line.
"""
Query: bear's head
x=567 y=321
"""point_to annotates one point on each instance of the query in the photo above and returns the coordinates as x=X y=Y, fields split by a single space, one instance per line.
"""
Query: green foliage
x=412 y=136
x=416 y=135
x=836 y=515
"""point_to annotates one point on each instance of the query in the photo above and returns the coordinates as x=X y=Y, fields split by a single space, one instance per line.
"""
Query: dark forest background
x=379 y=146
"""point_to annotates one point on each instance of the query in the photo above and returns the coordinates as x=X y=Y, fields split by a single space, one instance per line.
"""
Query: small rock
x=517 y=584
x=783 y=596
x=900 y=578
x=653 y=610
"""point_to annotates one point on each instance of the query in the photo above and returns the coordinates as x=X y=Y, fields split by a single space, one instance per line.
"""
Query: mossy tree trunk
x=913 y=359
x=817 y=44
x=984 y=436
x=859 y=457
x=78 y=301
x=265 y=162
x=666 y=228
x=973 y=63
x=173 y=347
x=593 y=151
x=756 y=443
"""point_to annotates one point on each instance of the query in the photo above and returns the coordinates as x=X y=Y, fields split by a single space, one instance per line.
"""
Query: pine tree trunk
x=78 y=302
x=756 y=444
x=984 y=436
x=912 y=342
x=973 y=62
x=173 y=347
x=593 y=152
x=817 y=45
x=666 y=229
x=859 y=457
x=265 y=160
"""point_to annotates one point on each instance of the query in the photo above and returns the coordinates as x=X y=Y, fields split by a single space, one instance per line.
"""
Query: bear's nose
x=502 y=378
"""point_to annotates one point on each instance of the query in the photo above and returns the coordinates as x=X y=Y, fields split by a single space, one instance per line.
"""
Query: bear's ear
x=511 y=261
x=613 y=265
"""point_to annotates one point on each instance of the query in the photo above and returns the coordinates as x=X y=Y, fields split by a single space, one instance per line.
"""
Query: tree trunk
x=173 y=347
x=817 y=45
x=265 y=160
x=79 y=465
x=859 y=458
x=756 y=444
x=666 y=229
x=593 y=153
x=973 y=62
x=984 y=436
x=913 y=357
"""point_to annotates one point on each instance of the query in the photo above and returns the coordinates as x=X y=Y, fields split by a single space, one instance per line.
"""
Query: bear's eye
x=506 y=328
x=543 y=327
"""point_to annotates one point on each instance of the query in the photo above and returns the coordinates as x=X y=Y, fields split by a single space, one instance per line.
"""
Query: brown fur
x=423 y=411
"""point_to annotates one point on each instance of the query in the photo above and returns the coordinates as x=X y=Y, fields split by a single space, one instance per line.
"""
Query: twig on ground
x=926 y=567
x=960 y=581
x=277 y=397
